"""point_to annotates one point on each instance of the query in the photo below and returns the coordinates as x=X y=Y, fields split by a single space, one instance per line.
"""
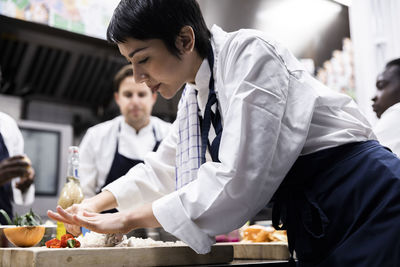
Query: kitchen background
x=57 y=67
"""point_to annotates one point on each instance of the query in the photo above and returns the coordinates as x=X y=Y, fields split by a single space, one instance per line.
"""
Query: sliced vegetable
x=71 y=242
x=53 y=243
x=67 y=240
x=66 y=237
x=63 y=243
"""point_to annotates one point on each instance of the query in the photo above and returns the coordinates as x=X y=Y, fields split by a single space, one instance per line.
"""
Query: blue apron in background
x=121 y=164
x=5 y=190
x=341 y=207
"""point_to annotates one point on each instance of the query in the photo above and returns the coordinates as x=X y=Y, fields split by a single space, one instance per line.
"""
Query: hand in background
x=16 y=166
x=25 y=181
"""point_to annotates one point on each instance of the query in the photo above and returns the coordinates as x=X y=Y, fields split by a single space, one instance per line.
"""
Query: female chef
x=272 y=132
x=108 y=150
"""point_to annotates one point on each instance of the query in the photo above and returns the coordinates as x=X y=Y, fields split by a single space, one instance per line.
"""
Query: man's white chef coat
x=98 y=147
x=272 y=112
x=387 y=128
x=15 y=145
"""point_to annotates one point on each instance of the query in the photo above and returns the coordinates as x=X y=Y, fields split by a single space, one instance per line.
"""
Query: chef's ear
x=154 y=97
x=116 y=98
x=185 y=40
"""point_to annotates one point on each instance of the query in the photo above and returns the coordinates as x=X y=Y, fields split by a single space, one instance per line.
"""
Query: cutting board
x=262 y=250
x=125 y=256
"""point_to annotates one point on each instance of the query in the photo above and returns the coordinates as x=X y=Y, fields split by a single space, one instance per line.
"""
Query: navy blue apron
x=121 y=164
x=5 y=190
x=341 y=207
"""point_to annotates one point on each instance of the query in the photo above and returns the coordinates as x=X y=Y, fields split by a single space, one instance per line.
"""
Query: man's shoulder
x=104 y=128
x=7 y=122
x=4 y=117
x=158 y=121
x=161 y=126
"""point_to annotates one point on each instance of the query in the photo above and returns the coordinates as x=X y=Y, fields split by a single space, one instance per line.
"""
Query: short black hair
x=159 y=19
x=125 y=71
x=395 y=62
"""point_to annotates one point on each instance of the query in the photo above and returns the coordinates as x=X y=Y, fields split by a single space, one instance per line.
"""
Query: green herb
x=29 y=219
x=71 y=243
x=5 y=215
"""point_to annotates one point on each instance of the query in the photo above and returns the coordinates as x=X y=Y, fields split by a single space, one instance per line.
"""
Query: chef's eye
x=142 y=94
x=381 y=85
x=143 y=60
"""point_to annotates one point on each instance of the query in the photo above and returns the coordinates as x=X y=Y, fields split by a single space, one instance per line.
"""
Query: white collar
x=391 y=109
x=202 y=79
x=126 y=128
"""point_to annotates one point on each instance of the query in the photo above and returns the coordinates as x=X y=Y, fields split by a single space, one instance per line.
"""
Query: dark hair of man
x=159 y=19
x=395 y=62
x=126 y=71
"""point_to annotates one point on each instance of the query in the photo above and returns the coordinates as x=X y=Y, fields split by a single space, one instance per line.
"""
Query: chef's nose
x=139 y=75
x=377 y=95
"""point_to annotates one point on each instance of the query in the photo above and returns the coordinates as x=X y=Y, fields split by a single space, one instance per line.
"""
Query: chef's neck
x=139 y=124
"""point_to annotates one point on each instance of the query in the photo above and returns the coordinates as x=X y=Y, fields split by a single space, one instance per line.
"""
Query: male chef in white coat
x=110 y=149
x=387 y=106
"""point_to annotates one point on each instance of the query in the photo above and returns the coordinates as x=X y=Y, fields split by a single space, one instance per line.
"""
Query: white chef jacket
x=272 y=112
x=98 y=147
x=387 y=129
x=15 y=145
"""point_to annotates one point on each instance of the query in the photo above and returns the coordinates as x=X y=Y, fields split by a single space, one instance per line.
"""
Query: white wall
x=375 y=31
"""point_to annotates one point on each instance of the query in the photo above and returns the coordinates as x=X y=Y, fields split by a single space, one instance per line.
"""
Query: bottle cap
x=73 y=149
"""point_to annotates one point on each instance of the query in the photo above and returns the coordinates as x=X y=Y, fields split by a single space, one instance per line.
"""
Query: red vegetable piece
x=66 y=237
x=53 y=243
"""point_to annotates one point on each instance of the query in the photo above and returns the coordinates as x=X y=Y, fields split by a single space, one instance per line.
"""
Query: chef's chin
x=168 y=93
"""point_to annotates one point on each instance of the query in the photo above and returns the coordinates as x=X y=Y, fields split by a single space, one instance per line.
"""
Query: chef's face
x=135 y=101
x=388 y=94
x=156 y=66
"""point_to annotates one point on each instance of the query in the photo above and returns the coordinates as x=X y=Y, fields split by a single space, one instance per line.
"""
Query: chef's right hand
x=103 y=201
x=70 y=226
x=76 y=209
x=13 y=167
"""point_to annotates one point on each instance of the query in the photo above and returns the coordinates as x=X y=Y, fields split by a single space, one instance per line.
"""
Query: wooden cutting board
x=262 y=250
x=126 y=256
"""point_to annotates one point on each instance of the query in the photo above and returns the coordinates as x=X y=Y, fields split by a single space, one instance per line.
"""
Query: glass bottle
x=72 y=191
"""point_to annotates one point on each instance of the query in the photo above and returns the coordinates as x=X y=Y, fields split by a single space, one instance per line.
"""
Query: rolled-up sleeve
x=147 y=182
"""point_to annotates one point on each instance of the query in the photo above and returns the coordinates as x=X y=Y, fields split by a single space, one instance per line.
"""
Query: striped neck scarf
x=192 y=142
x=188 y=152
